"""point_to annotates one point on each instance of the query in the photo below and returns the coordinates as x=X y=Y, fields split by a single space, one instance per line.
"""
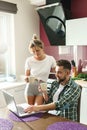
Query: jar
x=74 y=72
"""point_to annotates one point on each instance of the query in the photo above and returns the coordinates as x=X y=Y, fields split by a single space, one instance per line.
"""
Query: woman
x=39 y=66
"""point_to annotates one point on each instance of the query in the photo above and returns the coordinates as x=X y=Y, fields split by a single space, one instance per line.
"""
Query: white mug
x=43 y=86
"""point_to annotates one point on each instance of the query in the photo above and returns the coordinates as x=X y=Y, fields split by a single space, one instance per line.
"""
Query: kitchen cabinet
x=83 y=109
x=76 y=30
x=83 y=105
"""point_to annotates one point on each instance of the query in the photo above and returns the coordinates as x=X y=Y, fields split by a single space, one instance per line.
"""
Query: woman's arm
x=27 y=73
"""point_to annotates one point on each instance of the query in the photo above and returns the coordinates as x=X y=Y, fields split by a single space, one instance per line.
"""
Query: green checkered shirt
x=68 y=99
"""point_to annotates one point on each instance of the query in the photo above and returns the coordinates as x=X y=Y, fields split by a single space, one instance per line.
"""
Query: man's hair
x=65 y=63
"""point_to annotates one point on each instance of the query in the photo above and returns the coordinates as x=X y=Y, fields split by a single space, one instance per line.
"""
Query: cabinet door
x=83 y=110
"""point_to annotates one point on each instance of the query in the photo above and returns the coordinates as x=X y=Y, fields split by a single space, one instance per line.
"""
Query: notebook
x=17 y=109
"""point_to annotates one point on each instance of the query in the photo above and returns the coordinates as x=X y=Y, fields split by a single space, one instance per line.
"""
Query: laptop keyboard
x=20 y=109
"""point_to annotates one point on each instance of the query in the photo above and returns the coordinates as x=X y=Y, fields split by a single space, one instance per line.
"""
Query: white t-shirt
x=56 y=95
x=40 y=69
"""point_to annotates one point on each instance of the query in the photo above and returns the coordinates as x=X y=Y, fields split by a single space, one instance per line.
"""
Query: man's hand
x=31 y=108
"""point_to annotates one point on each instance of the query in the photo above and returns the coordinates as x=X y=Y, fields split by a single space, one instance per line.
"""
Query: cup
x=43 y=86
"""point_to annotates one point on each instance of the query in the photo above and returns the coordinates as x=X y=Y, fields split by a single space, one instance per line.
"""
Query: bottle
x=80 y=66
x=74 y=71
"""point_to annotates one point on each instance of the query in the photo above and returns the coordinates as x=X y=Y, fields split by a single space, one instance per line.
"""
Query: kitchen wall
x=26 y=23
x=79 y=8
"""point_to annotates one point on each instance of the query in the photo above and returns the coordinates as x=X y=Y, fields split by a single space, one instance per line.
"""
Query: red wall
x=51 y=50
x=43 y=35
x=79 y=8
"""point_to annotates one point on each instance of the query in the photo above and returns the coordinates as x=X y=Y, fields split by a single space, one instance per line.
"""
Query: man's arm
x=45 y=107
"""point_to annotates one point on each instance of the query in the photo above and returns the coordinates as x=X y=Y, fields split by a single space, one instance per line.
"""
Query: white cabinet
x=83 y=105
x=17 y=90
x=76 y=30
x=83 y=109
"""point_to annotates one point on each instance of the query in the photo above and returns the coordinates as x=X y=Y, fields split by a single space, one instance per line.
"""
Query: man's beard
x=61 y=80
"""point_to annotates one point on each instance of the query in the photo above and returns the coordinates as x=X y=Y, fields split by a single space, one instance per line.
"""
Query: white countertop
x=11 y=84
x=82 y=83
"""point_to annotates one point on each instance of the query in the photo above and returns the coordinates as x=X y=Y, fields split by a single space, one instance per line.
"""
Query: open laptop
x=17 y=109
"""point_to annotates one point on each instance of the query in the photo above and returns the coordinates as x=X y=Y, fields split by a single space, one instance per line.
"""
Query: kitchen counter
x=82 y=83
x=4 y=85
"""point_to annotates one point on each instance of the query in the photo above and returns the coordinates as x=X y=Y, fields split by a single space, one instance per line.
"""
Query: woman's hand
x=27 y=74
x=26 y=79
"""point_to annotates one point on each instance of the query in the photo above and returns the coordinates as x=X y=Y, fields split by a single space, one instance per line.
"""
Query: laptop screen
x=11 y=104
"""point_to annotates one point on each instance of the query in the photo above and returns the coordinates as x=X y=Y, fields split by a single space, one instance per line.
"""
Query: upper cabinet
x=76 y=30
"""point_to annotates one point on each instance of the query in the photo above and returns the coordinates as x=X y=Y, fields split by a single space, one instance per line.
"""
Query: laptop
x=17 y=109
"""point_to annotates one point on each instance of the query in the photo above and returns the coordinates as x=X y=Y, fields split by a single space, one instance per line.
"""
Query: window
x=7 y=46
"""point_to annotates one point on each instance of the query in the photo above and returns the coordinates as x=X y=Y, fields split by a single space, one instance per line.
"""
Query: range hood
x=53 y=19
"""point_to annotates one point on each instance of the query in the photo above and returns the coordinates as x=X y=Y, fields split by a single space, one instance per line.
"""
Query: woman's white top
x=40 y=68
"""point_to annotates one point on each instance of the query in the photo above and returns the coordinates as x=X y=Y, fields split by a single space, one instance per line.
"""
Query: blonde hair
x=35 y=42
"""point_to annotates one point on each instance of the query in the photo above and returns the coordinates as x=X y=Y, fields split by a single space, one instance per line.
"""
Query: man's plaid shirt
x=68 y=99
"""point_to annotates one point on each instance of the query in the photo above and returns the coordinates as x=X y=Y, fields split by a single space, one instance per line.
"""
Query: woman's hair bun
x=34 y=37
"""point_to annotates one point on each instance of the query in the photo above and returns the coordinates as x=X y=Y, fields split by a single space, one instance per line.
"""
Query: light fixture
x=38 y=2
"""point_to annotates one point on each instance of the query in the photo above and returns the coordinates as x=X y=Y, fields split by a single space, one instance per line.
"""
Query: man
x=63 y=95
